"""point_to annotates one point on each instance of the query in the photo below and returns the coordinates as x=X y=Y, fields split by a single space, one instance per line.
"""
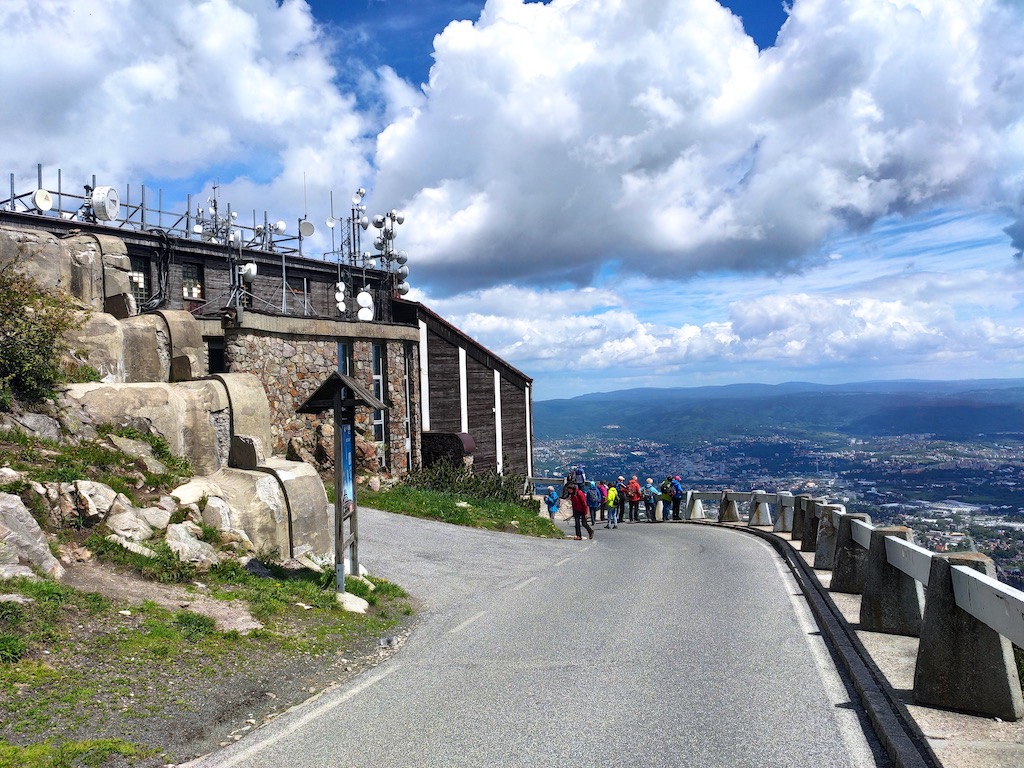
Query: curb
x=899 y=734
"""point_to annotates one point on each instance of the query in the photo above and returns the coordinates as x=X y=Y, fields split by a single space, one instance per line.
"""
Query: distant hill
x=953 y=410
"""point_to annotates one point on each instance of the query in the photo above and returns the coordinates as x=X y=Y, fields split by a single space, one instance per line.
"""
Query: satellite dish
x=248 y=272
x=402 y=257
x=280 y=227
x=364 y=299
x=403 y=288
x=403 y=271
x=399 y=216
x=365 y=314
x=198 y=229
x=42 y=200
x=105 y=203
x=364 y=222
x=306 y=228
x=378 y=221
x=331 y=221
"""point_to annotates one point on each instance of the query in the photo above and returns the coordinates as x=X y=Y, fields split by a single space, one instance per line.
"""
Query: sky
x=607 y=194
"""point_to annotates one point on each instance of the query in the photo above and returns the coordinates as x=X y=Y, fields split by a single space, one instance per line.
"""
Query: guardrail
x=966 y=620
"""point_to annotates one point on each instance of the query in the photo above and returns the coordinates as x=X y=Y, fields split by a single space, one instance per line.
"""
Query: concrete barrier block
x=728 y=511
x=809 y=541
x=828 y=529
x=695 y=509
x=962 y=663
x=799 y=515
x=850 y=567
x=760 y=511
x=892 y=602
x=784 y=513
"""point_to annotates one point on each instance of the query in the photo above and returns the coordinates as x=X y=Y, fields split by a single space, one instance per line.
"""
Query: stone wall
x=293 y=366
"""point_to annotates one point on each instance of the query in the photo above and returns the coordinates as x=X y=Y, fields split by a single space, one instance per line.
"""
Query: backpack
x=593 y=497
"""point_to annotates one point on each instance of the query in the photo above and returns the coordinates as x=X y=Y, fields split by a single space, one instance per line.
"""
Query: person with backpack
x=620 y=498
x=552 y=500
x=579 y=512
x=650 y=495
x=593 y=501
x=634 y=493
x=678 y=493
x=666 y=496
x=602 y=486
x=613 y=507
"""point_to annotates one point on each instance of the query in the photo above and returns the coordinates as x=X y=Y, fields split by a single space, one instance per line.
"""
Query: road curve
x=653 y=645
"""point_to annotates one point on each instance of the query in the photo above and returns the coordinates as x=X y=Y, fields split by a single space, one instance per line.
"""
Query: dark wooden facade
x=470 y=389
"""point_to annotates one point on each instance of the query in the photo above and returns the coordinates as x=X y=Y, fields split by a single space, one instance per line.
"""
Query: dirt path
x=104 y=580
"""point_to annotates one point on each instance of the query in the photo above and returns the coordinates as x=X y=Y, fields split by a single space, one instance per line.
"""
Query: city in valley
x=955 y=495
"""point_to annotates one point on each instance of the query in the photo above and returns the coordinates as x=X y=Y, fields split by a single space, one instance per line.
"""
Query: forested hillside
x=950 y=410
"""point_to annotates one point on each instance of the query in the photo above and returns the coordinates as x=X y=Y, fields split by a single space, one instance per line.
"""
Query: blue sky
x=607 y=194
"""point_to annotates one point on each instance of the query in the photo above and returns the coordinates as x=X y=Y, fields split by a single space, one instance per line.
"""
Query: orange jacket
x=633 y=492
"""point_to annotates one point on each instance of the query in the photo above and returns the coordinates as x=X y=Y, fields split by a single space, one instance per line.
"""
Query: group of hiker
x=620 y=501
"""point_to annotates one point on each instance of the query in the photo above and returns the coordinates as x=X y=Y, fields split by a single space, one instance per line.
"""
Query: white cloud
x=554 y=137
x=219 y=90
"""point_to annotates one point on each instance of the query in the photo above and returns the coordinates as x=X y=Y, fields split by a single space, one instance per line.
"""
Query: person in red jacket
x=580 y=511
x=634 y=494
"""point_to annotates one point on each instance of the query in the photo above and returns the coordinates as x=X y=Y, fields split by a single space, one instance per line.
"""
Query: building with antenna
x=262 y=307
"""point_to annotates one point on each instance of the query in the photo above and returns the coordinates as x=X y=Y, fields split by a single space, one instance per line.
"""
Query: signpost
x=342 y=394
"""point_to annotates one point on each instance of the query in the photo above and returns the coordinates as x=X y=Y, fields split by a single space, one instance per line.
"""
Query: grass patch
x=460 y=510
x=45 y=461
x=85 y=679
x=92 y=752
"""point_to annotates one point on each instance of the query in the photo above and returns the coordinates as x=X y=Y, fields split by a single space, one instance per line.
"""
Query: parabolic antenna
x=105 y=203
x=280 y=227
x=248 y=272
x=365 y=314
x=306 y=228
x=331 y=221
x=42 y=200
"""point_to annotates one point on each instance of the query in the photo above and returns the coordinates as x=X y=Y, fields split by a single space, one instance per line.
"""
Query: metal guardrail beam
x=861 y=532
x=913 y=560
x=991 y=602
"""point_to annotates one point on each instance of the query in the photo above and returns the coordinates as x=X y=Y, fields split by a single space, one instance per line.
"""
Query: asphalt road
x=653 y=645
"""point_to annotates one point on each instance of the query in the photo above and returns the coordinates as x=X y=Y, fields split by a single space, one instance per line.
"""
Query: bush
x=12 y=648
x=460 y=480
x=33 y=323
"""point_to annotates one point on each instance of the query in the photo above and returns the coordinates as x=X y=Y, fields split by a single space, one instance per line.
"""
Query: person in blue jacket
x=552 y=500
x=678 y=493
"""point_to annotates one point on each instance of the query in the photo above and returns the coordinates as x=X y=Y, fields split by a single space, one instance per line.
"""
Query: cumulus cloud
x=552 y=138
x=236 y=91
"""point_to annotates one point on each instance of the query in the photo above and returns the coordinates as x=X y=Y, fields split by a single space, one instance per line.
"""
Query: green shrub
x=460 y=480
x=194 y=625
x=12 y=648
x=33 y=324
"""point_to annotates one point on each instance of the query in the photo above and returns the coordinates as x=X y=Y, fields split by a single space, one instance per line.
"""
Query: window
x=345 y=357
x=379 y=416
x=139 y=279
x=191 y=281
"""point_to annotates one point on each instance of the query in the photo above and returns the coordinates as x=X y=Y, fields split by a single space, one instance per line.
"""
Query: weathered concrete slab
x=893 y=602
x=851 y=561
x=962 y=663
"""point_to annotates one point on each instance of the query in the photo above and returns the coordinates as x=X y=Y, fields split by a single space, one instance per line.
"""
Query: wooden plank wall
x=480 y=380
x=513 y=429
x=443 y=373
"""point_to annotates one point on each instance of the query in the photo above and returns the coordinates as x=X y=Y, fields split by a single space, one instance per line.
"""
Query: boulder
x=189 y=548
x=22 y=542
x=127 y=520
x=93 y=500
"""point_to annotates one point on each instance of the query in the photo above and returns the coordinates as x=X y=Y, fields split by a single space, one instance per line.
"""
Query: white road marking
x=315 y=712
x=467 y=622
x=523 y=584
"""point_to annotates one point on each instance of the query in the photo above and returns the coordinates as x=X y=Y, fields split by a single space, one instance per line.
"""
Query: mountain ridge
x=956 y=409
